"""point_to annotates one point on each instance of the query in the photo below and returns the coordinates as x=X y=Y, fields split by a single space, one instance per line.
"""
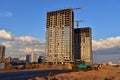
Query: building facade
x=2 y=52
x=34 y=57
x=83 y=44
x=26 y=58
x=59 y=36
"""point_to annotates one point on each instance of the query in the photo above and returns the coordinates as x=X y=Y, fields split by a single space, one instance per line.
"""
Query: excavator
x=78 y=66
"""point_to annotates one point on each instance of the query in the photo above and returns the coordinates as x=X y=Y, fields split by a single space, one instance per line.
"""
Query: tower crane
x=76 y=8
x=77 y=22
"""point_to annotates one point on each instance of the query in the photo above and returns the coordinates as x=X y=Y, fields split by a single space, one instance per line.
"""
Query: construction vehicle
x=79 y=65
x=97 y=66
x=82 y=66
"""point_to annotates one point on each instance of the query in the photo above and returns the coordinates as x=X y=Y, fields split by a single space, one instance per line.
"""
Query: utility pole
x=77 y=23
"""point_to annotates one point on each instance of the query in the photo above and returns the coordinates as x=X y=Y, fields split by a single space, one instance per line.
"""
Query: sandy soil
x=106 y=73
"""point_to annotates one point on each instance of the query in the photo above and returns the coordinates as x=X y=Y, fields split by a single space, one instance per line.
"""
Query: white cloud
x=7 y=44
x=26 y=39
x=106 y=49
x=39 y=50
x=24 y=45
x=31 y=49
x=4 y=35
x=106 y=43
x=26 y=50
x=6 y=14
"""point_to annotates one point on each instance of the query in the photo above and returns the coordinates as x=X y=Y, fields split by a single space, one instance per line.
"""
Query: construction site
x=64 y=43
x=66 y=72
x=67 y=48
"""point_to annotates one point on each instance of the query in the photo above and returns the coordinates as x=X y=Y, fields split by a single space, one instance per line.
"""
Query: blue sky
x=28 y=17
x=23 y=24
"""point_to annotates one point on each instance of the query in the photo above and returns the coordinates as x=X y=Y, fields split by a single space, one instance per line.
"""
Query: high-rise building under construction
x=83 y=44
x=59 y=36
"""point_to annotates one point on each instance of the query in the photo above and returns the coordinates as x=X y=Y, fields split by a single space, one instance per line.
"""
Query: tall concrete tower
x=83 y=44
x=2 y=52
x=59 y=36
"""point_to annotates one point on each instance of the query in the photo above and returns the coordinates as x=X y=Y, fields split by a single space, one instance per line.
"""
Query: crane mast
x=77 y=22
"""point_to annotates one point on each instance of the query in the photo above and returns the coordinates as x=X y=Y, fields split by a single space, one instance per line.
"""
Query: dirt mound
x=107 y=73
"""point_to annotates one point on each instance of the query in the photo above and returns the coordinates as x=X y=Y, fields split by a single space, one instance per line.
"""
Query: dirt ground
x=106 y=73
x=32 y=66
